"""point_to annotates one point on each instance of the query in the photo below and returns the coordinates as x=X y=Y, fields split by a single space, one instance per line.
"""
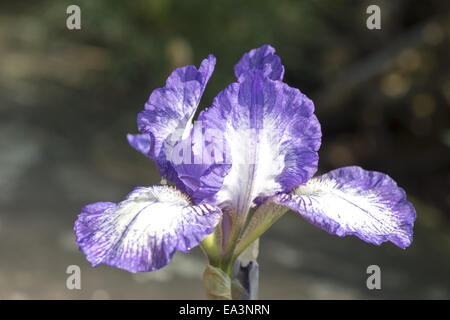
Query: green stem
x=263 y=218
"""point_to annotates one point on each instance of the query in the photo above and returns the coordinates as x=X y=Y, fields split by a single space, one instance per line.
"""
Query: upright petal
x=271 y=136
x=143 y=232
x=262 y=58
x=353 y=201
x=167 y=116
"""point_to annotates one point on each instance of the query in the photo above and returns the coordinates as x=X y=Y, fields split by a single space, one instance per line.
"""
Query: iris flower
x=248 y=159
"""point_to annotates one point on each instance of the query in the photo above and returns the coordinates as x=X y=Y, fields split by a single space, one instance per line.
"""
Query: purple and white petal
x=143 y=232
x=202 y=182
x=353 y=201
x=140 y=142
x=199 y=171
x=262 y=58
x=271 y=137
x=168 y=113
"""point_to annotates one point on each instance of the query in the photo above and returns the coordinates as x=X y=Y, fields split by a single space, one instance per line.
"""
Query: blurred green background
x=68 y=99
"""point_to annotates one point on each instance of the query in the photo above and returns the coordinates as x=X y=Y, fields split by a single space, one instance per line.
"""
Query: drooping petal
x=353 y=201
x=262 y=58
x=167 y=116
x=271 y=136
x=143 y=232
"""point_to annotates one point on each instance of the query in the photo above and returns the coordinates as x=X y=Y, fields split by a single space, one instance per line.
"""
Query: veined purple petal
x=199 y=171
x=202 y=181
x=167 y=116
x=140 y=142
x=353 y=201
x=262 y=58
x=271 y=136
x=143 y=232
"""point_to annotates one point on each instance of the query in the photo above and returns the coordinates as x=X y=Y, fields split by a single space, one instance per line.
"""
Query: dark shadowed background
x=68 y=99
